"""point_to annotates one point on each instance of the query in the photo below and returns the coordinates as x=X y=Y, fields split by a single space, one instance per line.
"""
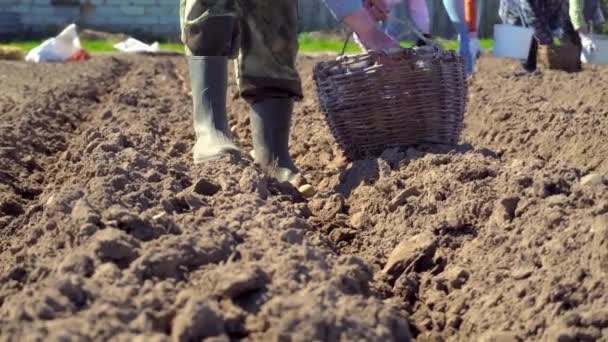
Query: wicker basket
x=565 y=57
x=375 y=101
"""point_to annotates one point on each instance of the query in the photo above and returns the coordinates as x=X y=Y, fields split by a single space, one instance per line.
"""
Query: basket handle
x=346 y=41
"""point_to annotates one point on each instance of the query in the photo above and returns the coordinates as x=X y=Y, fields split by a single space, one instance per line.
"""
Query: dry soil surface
x=108 y=231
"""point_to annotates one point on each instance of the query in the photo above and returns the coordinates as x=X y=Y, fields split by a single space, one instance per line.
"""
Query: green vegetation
x=308 y=44
x=314 y=44
x=90 y=45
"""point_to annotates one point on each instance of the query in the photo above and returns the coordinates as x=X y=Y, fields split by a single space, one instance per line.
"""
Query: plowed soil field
x=109 y=232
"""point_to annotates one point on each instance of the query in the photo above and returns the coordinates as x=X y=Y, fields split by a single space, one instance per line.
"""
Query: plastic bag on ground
x=59 y=49
x=133 y=45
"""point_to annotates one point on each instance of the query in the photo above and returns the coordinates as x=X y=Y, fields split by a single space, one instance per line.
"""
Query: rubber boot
x=530 y=64
x=208 y=76
x=270 y=124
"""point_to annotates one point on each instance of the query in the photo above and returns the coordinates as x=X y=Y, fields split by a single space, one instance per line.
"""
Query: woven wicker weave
x=375 y=101
x=565 y=57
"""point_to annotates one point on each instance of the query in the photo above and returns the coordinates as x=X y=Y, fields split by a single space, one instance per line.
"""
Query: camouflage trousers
x=260 y=34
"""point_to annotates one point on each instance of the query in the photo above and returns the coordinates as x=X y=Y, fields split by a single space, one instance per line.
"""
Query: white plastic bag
x=57 y=49
x=134 y=45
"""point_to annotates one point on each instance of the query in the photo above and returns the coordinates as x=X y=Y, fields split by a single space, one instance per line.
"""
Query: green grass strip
x=308 y=44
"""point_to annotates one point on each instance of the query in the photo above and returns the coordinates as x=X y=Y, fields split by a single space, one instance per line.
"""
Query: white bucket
x=600 y=56
x=512 y=41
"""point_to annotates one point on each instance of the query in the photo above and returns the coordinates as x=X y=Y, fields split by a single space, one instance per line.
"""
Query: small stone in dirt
x=560 y=332
x=408 y=252
x=601 y=208
x=402 y=197
x=235 y=285
x=592 y=179
x=191 y=200
x=252 y=182
x=77 y=264
x=598 y=319
x=359 y=220
x=553 y=218
x=327 y=207
x=293 y=236
x=521 y=273
x=159 y=215
x=504 y=210
x=115 y=245
x=153 y=176
x=200 y=319
x=177 y=255
x=205 y=187
x=83 y=213
x=557 y=200
x=107 y=272
x=86 y=231
x=341 y=234
x=307 y=190
x=73 y=289
x=486 y=152
x=456 y=277
x=106 y=115
x=496 y=336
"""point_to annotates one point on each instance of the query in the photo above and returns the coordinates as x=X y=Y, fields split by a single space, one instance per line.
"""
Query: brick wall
x=144 y=17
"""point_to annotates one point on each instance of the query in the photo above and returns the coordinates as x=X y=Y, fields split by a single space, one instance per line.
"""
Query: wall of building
x=160 y=18
x=147 y=17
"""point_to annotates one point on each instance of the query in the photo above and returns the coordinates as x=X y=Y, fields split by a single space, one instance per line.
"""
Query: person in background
x=545 y=17
x=420 y=15
x=418 y=12
x=584 y=14
x=456 y=12
x=472 y=9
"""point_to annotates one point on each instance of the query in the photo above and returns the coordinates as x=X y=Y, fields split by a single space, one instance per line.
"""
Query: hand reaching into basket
x=378 y=9
x=368 y=33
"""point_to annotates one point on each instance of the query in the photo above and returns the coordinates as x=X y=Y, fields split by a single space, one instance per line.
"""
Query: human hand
x=378 y=9
x=368 y=34
x=587 y=42
x=475 y=48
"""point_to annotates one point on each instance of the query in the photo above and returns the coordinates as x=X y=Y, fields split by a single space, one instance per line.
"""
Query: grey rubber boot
x=208 y=77
x=270 y=124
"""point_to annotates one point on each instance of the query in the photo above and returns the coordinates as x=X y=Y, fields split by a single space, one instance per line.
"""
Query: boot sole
x=224 y=153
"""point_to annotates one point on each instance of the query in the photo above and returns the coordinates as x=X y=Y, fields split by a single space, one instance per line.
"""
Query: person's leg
x=210 y=39
x=470 y=10
x=419 y=12
x=472 y=17
x=393 y=26
x=268 y=80
x=455 y=9
x=571 y=35
x=530 y=64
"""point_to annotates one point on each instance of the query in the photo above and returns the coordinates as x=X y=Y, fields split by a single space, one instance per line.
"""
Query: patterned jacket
x=545 y=16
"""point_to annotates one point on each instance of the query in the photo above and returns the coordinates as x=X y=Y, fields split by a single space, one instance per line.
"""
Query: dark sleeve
x=536 y=17
x=343 y=8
